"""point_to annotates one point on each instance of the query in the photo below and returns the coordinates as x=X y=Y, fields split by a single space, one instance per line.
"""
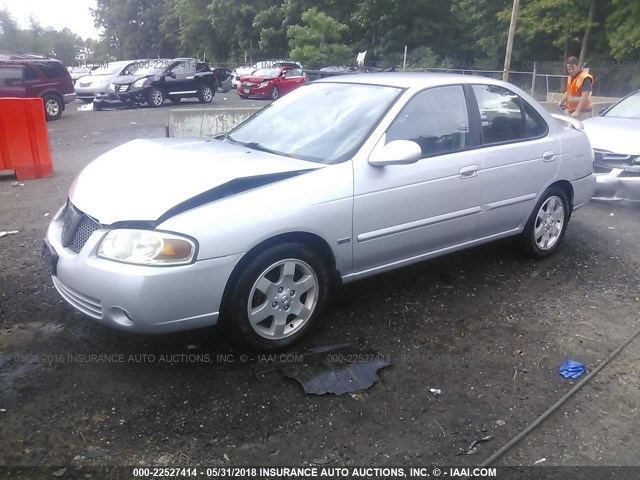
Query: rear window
x=53 y=70
x=10 y=75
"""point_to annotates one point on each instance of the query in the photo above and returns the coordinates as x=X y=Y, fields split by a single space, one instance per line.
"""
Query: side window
x=30 y=74
x=130 y=69
x=53 y=70
x=184 y=68
x=436 y=119
x=11 y=76
x=202 y=67
x=505 y=117
x=536 y=126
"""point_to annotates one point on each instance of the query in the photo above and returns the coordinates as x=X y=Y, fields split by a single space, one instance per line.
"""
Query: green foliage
x=319 y=41
x=623 y=31
x=462 y=34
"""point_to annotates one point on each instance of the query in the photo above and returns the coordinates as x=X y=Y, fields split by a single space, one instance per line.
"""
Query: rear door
x=520 y=158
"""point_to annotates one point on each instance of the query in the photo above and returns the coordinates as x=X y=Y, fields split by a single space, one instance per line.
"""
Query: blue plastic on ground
x=572 y=369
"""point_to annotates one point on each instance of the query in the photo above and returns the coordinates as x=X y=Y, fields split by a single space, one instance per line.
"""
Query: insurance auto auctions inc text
x=358 y=472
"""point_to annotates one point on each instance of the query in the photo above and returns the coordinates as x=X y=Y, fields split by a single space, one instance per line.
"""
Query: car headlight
x=146 y=247
x=143 y=82
x=264 y=84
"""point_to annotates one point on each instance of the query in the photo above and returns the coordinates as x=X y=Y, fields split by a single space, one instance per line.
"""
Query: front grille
x=606 y=161
x=77 y=227
x=123 y=88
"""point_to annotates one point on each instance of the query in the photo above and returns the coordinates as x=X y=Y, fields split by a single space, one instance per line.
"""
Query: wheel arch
x=56 y=94
x=567 y=188
x=314 y=241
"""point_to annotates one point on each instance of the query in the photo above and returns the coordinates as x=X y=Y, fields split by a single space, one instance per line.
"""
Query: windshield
x=267 y=72
x=152 y=67
x=320 y=122
x=110 y=69
x=627 y=108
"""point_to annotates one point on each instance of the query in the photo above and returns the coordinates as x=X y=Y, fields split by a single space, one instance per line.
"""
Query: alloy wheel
x=283 y=299
x=549 y=223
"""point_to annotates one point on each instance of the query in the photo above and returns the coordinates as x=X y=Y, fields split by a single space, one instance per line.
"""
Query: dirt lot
x=486 y=327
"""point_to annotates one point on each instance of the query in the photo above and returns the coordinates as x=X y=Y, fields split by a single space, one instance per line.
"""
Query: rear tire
x=277 y=296
x=53 y=106
x=547 y=225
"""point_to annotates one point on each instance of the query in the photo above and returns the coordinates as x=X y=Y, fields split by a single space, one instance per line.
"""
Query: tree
x=10 y=34
x=132 y=28
x=319 y=41
x=622 y=29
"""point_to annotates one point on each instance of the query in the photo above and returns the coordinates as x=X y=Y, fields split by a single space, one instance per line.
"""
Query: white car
x=343 y=178
x=616 y=146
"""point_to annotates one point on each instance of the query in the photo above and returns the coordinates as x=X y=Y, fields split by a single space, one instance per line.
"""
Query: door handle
x=549 y=156
x=469 y=172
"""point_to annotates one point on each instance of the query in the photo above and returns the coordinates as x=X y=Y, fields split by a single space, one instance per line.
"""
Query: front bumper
x=86 y=93
x=254 y=91
x=618 y=184
x=130 y=96
x=138 y=298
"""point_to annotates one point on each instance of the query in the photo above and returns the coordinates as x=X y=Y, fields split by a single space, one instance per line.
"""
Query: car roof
x=409 y=79
x=23 y=57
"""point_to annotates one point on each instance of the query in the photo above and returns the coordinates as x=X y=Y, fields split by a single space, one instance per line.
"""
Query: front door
x=405 y=211
x=183 y=83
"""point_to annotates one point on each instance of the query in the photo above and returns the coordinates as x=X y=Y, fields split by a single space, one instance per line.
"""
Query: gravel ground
x=486 y=327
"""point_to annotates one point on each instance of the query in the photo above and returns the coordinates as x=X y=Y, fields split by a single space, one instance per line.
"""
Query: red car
x=271 y=82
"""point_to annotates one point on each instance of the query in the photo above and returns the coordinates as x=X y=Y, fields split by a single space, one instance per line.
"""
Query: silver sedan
x=614 y=137
x=344 y=178
x=97 y=83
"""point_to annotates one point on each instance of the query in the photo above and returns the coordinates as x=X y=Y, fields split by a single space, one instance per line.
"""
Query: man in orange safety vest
x=578 y=94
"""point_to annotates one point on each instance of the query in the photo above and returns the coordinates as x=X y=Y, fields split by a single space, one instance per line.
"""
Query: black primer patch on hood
x=232 y=187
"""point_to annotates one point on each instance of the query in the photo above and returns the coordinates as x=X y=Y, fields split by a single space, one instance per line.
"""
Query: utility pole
x=512 y=31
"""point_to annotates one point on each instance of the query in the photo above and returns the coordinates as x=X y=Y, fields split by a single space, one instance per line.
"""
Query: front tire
x=278 y=296
x=547 y=225
x=155 y=97
x=275 y=93
x=53 y=107
x=205 y=94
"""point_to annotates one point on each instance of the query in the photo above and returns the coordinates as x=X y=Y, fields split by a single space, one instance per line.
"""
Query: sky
x=73 y=14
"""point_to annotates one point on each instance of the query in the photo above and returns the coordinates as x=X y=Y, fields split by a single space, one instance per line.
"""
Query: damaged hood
x=143 y=179
x=255 y=79
x=618 y=135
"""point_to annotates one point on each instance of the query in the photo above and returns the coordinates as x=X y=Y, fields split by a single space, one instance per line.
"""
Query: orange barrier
x=24 y=142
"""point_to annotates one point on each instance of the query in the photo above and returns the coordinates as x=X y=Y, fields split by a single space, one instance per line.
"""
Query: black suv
x=32 y=76
x=161 y=79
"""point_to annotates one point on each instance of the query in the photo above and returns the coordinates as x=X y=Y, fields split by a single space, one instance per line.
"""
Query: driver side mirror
x=396 y=152
x=170 y=74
